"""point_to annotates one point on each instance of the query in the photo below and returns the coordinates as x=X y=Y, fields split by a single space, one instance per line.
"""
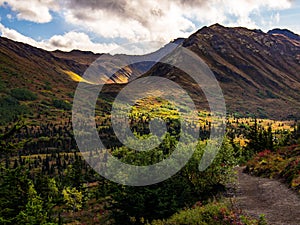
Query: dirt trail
x=255 y=196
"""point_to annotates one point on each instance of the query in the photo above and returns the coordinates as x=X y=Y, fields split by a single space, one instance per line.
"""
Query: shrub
x=210 y=214
x=183 y=189
x=266 y=164
x=2 y=85
x=61 y=104
x=23 y=94
x=47 y=86
x=285 y=163
x=291 y=173
x=11 y=109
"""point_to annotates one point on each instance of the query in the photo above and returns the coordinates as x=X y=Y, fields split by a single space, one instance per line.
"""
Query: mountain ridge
x=250 y=61
x=258 y=72
x=285 y=32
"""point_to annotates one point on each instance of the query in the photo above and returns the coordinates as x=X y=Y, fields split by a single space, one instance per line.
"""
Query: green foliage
x=14 y=184
x=284 y=163
x=52 y=187
x=62 y=104
x=6 y=144
x=218 y=174
x=47 y=86
x=2 y=85
x=23 y=94
x=291 y=173
x=291 y=137
x=266 y=164
x=33 y=214
x=262 y=220
x=295 y=137
x=19 y=201
x=259 y=139
x=11 y=109
x=72 y=198
x=150 y=157
x=156 y=201
x=183 y=189
x=73 y=174
x=71 y=94
x=210 y=214
x=61 y=181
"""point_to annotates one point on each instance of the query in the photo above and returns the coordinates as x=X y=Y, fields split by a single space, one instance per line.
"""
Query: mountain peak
x=285 y=32
x=216 y=25
x=255 y=70
x=251 y=62
x=178 y=41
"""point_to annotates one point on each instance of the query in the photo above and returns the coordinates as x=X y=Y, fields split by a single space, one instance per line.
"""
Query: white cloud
x=162 y=20
x=143 y=20
x=272 y=21
x=242 y=9
x=32 y=10
x=236 y=12
x=78 y=40
x=276 y=17
x=9 y=16
x=66 y=42
x=14 y=35
x=140 y=21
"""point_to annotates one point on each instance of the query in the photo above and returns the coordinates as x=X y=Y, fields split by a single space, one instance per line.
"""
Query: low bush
x=130 y=205
x=266 y=164
x=11 y=109
x=23 y=94
x=291 y=173
x=210 y=214
x=61 y=104
x=284 y=163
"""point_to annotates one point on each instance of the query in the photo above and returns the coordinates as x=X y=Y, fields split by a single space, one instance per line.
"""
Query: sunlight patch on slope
x=103 y=79
x=76 y=77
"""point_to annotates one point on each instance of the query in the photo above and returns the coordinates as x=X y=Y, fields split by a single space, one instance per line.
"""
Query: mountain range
x=258 y=72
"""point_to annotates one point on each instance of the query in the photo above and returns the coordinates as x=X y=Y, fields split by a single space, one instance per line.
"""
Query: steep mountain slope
x=25 y=66
x=286 y=33
x=36 y=81
x=33 y=81
x=258 y=72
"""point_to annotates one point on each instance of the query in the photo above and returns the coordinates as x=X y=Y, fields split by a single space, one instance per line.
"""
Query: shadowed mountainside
x=258 y=72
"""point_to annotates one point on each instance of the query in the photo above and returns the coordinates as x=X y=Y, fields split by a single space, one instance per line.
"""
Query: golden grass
x=75 y=77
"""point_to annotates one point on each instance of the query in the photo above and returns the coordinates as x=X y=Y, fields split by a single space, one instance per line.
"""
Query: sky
x=102 y=26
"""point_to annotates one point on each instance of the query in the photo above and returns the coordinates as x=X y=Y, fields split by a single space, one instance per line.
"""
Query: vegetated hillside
x=258 y=72
x=42 y=72
x=34 y=81
x=22 y=65
x=25 y=66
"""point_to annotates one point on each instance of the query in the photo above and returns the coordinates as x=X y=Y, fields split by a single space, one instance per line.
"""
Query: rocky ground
x=256 y=196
